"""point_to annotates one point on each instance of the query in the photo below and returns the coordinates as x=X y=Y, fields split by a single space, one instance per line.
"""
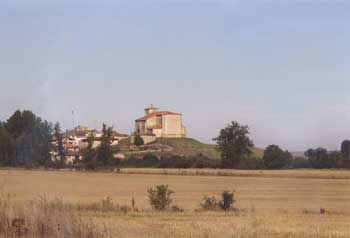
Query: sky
x=279 y=66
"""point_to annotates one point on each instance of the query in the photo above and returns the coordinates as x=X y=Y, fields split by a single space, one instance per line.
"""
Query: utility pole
x=73 y=119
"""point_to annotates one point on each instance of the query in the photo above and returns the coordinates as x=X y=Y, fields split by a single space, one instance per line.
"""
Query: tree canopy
x=234 y=143
x=345 y=149
x=275 y=157
x=25 y=140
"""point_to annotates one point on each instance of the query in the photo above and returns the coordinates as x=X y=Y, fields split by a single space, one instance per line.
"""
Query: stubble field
x=269 y=203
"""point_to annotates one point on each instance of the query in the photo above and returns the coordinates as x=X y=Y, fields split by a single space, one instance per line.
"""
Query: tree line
x=235 y=146
x=25 y=140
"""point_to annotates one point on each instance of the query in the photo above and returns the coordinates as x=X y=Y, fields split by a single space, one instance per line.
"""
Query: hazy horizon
x=282 y=67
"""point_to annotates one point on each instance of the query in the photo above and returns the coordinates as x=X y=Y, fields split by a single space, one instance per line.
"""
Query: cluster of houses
x=154 y=124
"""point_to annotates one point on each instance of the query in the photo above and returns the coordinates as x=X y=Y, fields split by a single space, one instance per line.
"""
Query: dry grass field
x=270 y=203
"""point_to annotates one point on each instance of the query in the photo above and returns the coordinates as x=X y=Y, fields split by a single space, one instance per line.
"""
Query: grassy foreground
x=277 y=204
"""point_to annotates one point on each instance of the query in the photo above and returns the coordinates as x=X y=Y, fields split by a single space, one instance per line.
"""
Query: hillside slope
x=189 y=146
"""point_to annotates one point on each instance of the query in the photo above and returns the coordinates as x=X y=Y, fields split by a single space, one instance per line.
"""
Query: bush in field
x=159 y=197
x=212 y=203
x=177 y=209
x=209 y=203
x=227 y=200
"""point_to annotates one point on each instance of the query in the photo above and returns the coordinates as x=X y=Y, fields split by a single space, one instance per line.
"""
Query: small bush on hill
x=159 y=197
x=201 y=161
x=136 y=162
x=151 y=158
x=138 y=141
x=174 y=161
x=170 y=161
x=196 y=161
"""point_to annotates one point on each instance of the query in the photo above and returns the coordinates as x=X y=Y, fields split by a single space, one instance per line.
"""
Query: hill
x=189 y=146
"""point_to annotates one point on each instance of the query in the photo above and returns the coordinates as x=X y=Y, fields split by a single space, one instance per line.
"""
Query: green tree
x=59 y=139
x=234 y=143
x=104 y=153
x=319 y=158
x=32 y=137
x=14 y=124
x=89 y=154
x=275 y=157
x=7 y=148
x=345 y=149
x=138 y=141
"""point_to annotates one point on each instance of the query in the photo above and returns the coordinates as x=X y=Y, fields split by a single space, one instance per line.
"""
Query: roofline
x=160 y=112
x=151 y=108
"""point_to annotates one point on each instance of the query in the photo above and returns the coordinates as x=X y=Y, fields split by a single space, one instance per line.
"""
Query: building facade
x=160 y=124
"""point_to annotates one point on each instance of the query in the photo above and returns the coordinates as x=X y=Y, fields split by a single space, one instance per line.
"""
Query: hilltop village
x=152 y=125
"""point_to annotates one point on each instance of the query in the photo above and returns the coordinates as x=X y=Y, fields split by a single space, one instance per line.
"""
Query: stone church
x=160 y=124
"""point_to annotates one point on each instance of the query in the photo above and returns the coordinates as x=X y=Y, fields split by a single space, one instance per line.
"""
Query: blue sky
x=280 y=66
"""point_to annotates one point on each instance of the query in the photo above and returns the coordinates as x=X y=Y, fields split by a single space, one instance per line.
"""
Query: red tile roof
x=156 y=114
x=117 y=134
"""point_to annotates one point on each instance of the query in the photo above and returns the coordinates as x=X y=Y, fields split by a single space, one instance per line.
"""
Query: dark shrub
x=174 y=161
x=138 y=141
x=251 y=163
x=227 y=200
x=201 y=161
x=159 y=197
x=299 y=163
x=176 y=208
x=320 y=158
x=151 y=158
x=182 y=162
x=136 y=162
x=129 y=162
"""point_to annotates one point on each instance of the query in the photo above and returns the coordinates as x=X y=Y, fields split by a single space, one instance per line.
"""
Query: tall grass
x=43 y=219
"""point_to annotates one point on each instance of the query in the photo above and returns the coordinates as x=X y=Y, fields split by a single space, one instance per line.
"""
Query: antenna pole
x=73 y=119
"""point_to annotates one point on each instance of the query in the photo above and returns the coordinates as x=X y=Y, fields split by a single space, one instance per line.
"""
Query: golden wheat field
x=269 y=203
